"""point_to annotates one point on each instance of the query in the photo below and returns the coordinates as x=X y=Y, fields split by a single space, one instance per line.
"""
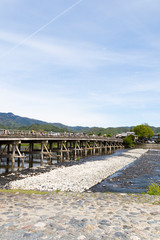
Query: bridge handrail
x=32 y=134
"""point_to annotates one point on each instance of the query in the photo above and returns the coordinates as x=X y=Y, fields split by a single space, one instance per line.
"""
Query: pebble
x=79 y=216
x=40 y=225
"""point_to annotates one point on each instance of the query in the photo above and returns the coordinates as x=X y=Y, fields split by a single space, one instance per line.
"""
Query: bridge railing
x=32 y=134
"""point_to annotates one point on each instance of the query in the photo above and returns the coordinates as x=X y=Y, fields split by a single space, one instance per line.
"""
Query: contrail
x=41 y=28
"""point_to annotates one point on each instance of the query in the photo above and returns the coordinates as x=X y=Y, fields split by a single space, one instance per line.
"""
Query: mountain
x=11 y=121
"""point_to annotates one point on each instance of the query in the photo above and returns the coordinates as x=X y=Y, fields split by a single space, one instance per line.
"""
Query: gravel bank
x=78 y=178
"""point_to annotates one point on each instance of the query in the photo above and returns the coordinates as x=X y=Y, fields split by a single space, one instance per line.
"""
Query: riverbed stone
x=40 y=225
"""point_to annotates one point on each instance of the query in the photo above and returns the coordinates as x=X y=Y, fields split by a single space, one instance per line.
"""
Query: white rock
x=40 y=225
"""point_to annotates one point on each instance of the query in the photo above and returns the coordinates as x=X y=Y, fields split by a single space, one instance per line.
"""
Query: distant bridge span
x=63 y=146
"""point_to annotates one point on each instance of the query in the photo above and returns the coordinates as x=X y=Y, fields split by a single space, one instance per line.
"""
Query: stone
x=126 y=227
x=40 y=225
x=104 y=222
x=26 y=235
x=120 y=235
x=134 y=237
x=82 y=237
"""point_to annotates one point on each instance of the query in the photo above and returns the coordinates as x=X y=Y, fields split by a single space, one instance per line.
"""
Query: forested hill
x=11 y=121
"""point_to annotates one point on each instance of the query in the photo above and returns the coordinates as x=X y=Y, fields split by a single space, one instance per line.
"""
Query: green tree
x=143 y=131
x=108 y=135
x=129 y=141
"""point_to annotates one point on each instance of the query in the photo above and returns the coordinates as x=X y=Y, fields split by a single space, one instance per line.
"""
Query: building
x=123 y=135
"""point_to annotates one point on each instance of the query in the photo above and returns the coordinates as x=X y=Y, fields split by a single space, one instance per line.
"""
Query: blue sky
x=89 y=62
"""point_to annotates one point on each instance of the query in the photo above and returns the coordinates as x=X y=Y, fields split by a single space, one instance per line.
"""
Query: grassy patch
x=22 y=191
x=58 y=190
x=156 y=203
x=154 y=189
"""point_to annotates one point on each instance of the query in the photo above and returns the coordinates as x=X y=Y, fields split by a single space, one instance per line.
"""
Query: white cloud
x=99 y=65
x=69 y=53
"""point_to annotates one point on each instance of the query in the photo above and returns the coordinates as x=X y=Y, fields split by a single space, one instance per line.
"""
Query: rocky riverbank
x=78 y=178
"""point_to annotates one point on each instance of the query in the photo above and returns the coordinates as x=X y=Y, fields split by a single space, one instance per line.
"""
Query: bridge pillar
x=19 y=159
x=94 y=148
x=30 y=154
x=8 y=152
x=42 y=156
x=110 y=149
x=98 y=145
x=61 y=152
x=81 y=147
x=105 y=148
x=50 y=146
x=13 y=155
x=67 y=150
x=100 y=150
x=85 y=151
x=75 y=149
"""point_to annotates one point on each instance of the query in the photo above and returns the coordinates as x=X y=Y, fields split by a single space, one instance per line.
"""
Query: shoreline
x=136 y=177
x=81 y=177
x=36 y=170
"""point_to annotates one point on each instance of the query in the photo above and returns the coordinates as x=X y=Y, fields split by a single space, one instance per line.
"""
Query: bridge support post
x=94 y=148
x=8 y=152
x=98 y=147
x=50 y=146
x=30 y=154
x=75 y=150
x=100 y=150
x=67 y=150
x=105 y=148
x=19 y=159
x=85 y=151
x=42 y=149
x=110 y=149
x=61 y=152
x=13 y=155
x=81 y=146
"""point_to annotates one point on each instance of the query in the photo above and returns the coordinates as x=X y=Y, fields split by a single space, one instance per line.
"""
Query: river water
x=6 y=167
x=134 y=178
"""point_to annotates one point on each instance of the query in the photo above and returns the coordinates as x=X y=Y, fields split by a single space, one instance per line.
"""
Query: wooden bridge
x=63 y=146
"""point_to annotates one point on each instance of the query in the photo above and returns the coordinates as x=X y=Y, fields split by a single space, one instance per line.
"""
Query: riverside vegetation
x=154 y=189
